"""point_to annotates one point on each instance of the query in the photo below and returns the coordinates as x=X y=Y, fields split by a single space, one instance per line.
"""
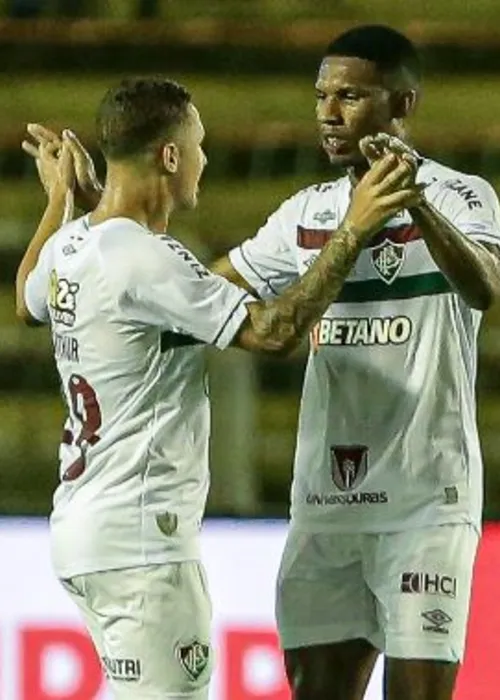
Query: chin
x=348 y=160
x=189 y=203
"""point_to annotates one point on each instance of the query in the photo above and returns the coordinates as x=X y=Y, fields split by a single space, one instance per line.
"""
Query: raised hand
x=383 y=191
x=88 y=190
x=374 y=147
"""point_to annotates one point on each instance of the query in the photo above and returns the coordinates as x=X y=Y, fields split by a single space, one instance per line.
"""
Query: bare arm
x=224 y=268
x=278 y=326
x=473 y=269
x=59 y=209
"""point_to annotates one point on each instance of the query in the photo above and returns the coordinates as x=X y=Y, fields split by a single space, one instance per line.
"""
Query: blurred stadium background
x=251 y=66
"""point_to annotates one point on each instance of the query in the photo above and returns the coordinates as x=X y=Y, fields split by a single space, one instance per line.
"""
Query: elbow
x=488 y=298
x=280 y=345
x=24 y=315
x=280 y=350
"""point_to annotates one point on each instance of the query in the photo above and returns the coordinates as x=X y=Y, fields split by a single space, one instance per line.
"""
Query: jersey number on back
x=85 y=408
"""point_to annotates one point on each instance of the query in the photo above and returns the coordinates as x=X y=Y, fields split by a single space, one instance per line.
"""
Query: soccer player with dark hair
x=387 y=487
x=130 y=310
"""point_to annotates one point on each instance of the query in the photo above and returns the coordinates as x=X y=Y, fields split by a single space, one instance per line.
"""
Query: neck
x=142 y=196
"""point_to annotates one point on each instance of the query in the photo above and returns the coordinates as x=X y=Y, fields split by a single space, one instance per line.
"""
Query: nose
x=328 y=110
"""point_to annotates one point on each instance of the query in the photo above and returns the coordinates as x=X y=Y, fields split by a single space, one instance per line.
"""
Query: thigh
x=414 y=679
x=153 y=630
x=338 y=671
x=422 y=582
x=321 y=595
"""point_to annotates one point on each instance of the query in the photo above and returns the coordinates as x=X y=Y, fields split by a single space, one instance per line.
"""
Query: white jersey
x=387 y=436
x=127 y=311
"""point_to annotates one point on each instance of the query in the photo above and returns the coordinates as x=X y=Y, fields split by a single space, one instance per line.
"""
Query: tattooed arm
x=279 y=325
x=473 y=269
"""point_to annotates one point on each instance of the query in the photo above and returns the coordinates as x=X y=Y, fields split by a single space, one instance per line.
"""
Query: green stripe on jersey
x=402 y=288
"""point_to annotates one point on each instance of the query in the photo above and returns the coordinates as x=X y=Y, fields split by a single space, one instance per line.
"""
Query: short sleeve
x=267 y=261
x=36 y=289
x=163 y=285
x=471 y=205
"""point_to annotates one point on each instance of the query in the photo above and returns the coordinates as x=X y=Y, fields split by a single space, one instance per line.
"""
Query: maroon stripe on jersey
x=315 y=238
x=400 y=234
x=67 y=437
x=312 y=237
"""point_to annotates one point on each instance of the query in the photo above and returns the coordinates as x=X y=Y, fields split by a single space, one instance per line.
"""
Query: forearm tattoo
x=284 y=321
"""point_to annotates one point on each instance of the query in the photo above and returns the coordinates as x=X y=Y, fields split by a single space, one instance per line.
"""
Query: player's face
x=351 y=102
x=192 y=160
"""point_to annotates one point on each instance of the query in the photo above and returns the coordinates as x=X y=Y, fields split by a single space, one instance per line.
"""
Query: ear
x=403 y=103
x=170 y=158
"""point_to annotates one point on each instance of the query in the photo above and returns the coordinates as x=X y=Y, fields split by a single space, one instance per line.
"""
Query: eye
x=350 y=95
x=320 y=95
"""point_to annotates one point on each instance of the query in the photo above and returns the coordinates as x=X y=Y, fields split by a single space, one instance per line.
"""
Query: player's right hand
x=380 y=194
x=88 y=190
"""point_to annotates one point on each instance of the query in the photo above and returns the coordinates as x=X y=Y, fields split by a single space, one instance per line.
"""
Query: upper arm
x=165 y=286
x=226 y=269
x=33 y=309
x=472 y=206
x=268 y=261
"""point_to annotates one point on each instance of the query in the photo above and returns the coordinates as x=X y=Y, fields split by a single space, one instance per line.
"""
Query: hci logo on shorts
x=431 y=584
x=193 y=658
x=349 y=465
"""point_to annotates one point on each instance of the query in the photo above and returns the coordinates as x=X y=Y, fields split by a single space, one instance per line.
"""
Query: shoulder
x=317 y=205
x=131 y=255
x=125 y=244
x=322 y=191
x=463 y=189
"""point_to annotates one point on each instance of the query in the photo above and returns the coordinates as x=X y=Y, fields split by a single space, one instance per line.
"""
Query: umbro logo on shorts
x=193 y=658
x=436 y=621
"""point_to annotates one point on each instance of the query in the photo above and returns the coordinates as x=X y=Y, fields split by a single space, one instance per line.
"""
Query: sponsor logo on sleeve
x=200 y=270
x=463 y=190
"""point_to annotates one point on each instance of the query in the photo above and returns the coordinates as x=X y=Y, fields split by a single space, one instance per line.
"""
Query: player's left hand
x=374 y=147
x=88 y=188
x=57 y=173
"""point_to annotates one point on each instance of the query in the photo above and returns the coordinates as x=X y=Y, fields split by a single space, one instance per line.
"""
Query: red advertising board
x=46 y=655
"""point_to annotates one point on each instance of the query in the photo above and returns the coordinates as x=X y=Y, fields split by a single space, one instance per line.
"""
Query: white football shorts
x=408 y=593
x=151 y=628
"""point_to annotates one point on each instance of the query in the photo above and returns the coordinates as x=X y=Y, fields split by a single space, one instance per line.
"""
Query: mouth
x=335 y=145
